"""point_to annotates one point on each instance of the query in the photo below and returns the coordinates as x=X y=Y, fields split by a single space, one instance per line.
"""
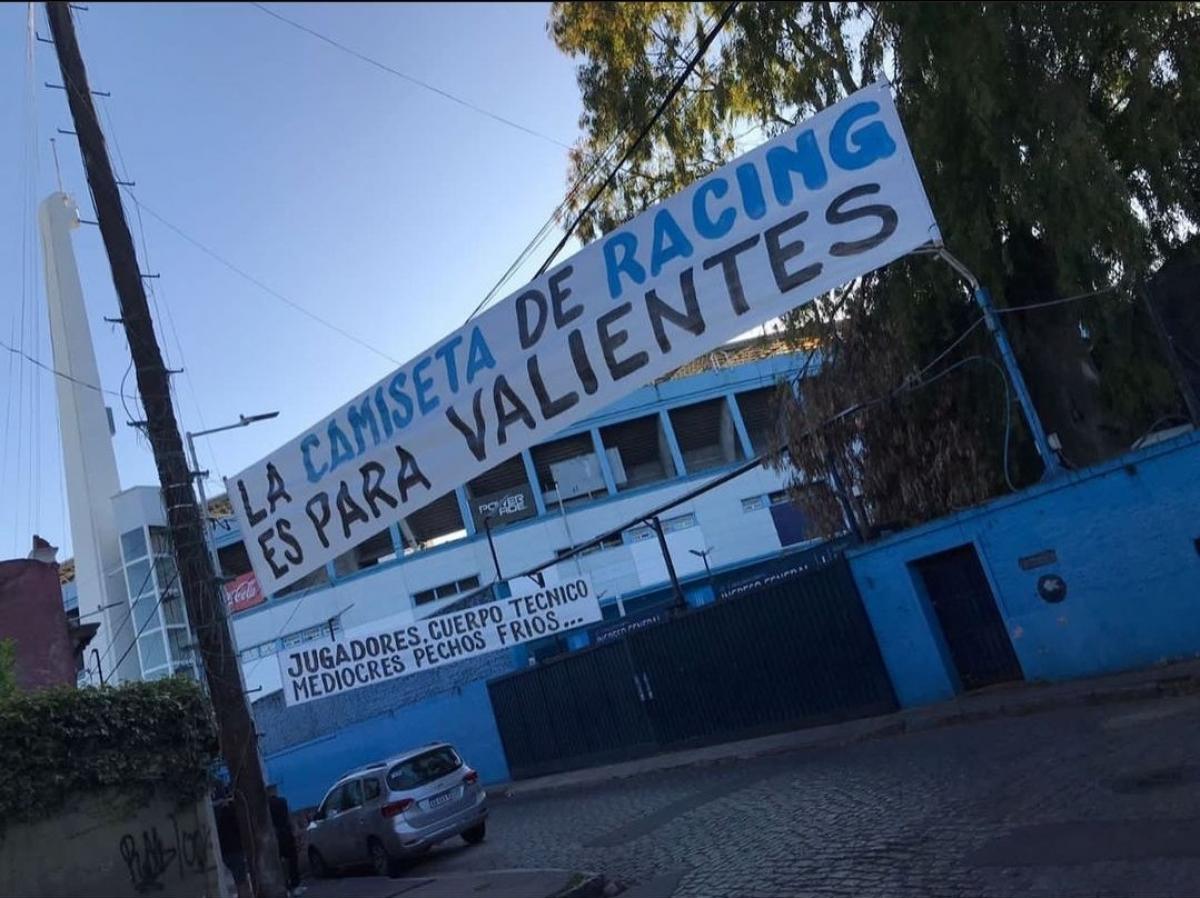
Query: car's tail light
x=392 y=808
x=471 y=778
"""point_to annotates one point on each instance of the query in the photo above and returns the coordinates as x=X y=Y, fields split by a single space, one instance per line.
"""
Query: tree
x=1058 y=145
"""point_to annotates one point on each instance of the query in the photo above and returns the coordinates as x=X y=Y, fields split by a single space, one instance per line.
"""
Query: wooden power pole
x=201 y=591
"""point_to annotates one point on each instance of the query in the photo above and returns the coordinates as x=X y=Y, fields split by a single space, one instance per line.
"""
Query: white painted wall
x=385 y=594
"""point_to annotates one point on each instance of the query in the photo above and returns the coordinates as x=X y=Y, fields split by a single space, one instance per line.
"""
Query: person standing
x=281 y=817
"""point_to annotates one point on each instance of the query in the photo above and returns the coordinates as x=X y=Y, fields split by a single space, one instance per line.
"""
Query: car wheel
x=317 y=865
x=475 y=834
x=382 y=863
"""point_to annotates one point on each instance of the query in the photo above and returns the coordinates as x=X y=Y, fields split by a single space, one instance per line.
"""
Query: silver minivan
x=392 y=810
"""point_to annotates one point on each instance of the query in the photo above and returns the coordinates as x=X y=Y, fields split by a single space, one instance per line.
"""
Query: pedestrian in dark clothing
x=281 y=817
x=230 y=839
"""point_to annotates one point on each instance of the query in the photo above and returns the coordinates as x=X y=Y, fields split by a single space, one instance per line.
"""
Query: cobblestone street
x=1082 y=801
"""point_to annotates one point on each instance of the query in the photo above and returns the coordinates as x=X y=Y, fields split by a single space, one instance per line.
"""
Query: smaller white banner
x=372 y=656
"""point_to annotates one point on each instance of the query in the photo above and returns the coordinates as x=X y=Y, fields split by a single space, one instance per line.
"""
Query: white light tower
x=88 y=457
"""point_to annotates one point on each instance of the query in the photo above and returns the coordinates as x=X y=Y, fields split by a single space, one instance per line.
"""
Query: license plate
x=439 y=800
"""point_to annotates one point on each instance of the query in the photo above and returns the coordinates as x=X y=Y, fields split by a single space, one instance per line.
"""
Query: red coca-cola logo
x=243 y=593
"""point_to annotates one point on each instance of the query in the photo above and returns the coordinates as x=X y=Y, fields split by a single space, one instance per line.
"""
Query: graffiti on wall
x=150 y=857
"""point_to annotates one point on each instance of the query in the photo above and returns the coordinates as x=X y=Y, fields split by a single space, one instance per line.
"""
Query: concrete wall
x=1125 y=537
x=102 y=845
x=32 y=615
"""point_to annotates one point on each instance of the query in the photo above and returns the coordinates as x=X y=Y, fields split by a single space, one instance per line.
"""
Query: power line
x=907 y=386
x=580 y=182
x=256 y=282
x=701 y=49
x=136 y=636
x=152 y=561
x=1055 y=302
x=75 y=380
x=154 y=290
x=409 y=78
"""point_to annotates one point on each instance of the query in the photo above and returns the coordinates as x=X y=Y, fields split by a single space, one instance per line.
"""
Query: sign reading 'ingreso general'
x=372 y=655
x=827 y=201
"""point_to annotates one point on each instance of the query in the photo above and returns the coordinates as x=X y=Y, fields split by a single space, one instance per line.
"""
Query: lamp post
x=656 y=525
x=211 y=545
x=243 y=421
x=487 y=528
x=702 y=554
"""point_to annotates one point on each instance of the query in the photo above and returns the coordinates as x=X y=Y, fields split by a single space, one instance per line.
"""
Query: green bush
x=140 y=737
x=8 y=669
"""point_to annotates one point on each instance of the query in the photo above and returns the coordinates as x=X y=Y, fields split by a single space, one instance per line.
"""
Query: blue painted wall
x=1125 y=537
x=463 y=717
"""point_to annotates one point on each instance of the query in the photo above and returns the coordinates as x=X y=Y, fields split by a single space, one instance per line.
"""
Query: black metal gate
x=801 y=653
x=966 y=609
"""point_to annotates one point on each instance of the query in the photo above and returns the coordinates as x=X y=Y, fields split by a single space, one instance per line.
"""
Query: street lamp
x=243 y=421
x=702 y=554
x=487 y=527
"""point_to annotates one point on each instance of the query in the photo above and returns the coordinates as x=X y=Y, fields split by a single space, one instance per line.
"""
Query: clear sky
x=377 y=205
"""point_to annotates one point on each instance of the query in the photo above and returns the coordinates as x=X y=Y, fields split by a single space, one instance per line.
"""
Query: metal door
x=800 y=653
x=585 y=708
x=974 y=632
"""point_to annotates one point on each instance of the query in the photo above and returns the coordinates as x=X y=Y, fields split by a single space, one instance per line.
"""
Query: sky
x=377 y=205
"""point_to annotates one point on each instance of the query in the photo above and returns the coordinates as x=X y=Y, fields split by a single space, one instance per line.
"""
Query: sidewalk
x=488 y=884
x=1004 y=701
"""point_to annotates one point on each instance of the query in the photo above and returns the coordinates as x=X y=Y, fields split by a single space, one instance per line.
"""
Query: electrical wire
x=1007 y=402
x=153 y=289
x=912 y=383
x=75 y=380
x=580 y=182
x=1055 y=302
x=112 y=645
x=909 y=385
x=542 y=232
x=256 y=282
x=142 y=629
x=409 y=78
x=701 y=50
x=949 y=349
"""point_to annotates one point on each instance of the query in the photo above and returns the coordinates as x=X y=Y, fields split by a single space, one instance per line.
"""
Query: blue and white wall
x=308 y=746
x=726 y=521
x=1125 y=536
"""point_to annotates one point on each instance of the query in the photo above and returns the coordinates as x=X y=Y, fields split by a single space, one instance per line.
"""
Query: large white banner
x=370 y=655
x=827 y=201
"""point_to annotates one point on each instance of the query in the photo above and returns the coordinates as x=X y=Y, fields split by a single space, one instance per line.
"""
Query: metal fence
x=793 y=654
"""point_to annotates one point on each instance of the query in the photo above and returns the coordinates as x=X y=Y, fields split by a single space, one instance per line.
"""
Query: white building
x=657 y=444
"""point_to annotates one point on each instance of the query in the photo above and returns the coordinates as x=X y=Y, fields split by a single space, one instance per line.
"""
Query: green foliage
x=59 y=743
x=1059 y=147
x=8 y=669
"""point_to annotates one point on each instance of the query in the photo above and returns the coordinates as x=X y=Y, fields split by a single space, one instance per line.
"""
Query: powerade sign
x=505 y=507
x=372 y=656
x=823 y=203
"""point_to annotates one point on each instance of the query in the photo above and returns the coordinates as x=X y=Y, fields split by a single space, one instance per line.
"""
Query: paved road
x=1084 y=801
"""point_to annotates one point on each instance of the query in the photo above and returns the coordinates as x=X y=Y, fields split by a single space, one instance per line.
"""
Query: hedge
x=140 y=737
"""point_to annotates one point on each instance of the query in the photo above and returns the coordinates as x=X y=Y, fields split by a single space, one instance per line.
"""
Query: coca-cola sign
x=243 y=593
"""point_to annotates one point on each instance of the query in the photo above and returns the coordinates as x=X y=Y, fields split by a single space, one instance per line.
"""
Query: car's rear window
x=424 y=768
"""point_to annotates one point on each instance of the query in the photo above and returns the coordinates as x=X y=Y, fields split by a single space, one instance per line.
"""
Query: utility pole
x=201 y=591
x=657 y=527
x=1051 y=466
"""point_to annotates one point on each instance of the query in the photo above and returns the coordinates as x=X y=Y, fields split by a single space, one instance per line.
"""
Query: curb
x=591 y=885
